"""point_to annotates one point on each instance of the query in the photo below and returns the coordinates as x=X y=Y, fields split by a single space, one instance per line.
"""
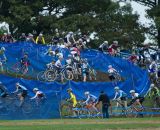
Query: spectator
x=23 y=37
x=30 y=38
x=103 y=47
x=85 y=69
x=113 y=48
x=105 y=104
x=69 y=39
x=55 y=39
x=40 y=39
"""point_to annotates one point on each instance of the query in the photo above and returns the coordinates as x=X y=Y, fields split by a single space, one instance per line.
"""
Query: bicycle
x=52 y=75
x=23 y=69
x=12 y=103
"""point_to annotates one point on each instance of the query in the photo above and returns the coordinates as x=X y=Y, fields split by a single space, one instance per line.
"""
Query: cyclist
x=154 y=93
x=120 y=95
x=85 y=69
x=91 y=101
x=39 y=96
x=22 y=92
x=3 y=90
x=24 y=63
x=112 y=73
x=72 y=100
x=137 y=99
x=153 y=69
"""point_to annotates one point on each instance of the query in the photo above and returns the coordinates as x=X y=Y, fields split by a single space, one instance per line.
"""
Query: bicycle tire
x=15 y=68
x=41 y=76
x=66 y=75
x=27 y=108
x=51 y=75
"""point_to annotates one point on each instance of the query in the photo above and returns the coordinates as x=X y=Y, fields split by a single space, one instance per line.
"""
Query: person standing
x=105 y=104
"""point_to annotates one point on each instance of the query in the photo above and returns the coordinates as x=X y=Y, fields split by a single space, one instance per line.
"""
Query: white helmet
x=132 y=91
x=86 y=93
x=17 y=83
x=116 y=88
x=152 y=85
x=106 y=42
x=116 y=42
x=71 y=33
x=40 y=34
x=3 y=48
x=35 y=89
x=110 y=66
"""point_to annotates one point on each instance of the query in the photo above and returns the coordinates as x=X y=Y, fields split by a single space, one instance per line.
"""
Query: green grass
x=82 y=124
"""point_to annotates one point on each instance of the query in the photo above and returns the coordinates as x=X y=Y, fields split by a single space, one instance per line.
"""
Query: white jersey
x=111 y=71
x=135 y=96
x=58 y=64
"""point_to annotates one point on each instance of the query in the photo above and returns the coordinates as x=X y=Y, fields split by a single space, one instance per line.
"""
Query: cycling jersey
x=39 y=95
x=120 y=94
x=91 y=99
x=154 y=92
x=73 y=99
x=112 y=71
x=136 y=95
x=58 y=64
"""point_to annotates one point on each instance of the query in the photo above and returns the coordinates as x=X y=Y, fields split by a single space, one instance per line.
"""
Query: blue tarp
x=135 y=78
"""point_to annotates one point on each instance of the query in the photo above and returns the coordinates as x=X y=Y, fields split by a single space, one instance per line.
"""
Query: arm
x=35 y=96
x=43 y=41
x=86 y=102
x=115 y=97
x=37 y=40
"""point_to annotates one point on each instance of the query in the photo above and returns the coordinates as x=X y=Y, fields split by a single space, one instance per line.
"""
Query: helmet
x=71 y=33
x=40 y=34
x=86 y=93
x=35 y=89
x=110 y=66
x=132 y=91
x=3 y=48
x=116 y=88
x=69 y=89
x=152 y=85
x=116 y=42
x=17 y=84
x=106 y=42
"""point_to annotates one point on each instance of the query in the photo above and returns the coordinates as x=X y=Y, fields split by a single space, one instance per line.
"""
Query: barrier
x=135 y=78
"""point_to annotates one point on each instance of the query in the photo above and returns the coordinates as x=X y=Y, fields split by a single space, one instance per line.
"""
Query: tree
x=107 y=19
x=153 y=12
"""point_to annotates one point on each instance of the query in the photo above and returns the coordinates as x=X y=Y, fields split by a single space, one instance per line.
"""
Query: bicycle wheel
x=51 y=75
x=16 y=67
x=27 y=107
x=41 y=76
x=68 y=75
x=27 y=71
